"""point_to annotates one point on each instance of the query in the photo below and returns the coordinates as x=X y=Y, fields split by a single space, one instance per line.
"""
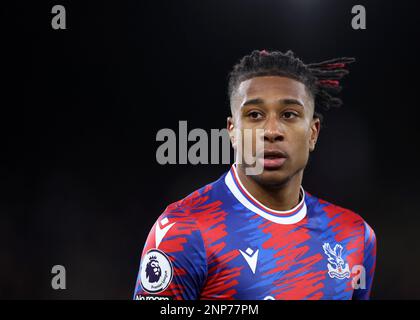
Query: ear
x=231 y=130
x=315 y=128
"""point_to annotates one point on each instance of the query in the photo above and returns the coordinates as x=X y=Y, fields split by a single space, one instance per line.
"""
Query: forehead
x=275 y=87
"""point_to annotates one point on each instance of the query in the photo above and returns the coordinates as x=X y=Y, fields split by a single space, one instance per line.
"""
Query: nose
x=273 y=130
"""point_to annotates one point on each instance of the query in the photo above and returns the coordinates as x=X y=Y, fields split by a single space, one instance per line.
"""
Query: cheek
x=249 y=135
x=300 y=143
x=301 y=135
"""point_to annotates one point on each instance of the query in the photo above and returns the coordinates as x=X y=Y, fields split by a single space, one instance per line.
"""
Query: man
x=262 y=236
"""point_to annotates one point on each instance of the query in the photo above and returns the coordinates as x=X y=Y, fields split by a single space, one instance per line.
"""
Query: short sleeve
x=369 y=264
x=173 y=262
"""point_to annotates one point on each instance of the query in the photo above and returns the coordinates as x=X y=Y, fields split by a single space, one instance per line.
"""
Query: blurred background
x=79 y=182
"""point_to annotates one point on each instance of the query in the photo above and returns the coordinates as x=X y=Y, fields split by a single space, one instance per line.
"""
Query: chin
x=273 y=178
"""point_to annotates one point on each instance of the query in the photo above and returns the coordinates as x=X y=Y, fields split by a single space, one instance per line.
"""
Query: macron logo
x=251 y=258
x=160 y=233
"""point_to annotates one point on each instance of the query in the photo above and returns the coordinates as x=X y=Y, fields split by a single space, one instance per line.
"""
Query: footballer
x=263 y=236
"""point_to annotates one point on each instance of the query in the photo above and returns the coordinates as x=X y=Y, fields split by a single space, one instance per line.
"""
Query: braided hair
x=321 y=79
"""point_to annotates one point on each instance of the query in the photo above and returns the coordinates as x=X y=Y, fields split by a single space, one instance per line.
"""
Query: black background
x=80 y=185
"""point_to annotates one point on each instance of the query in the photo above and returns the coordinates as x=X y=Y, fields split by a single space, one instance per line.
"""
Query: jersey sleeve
x=369 y=264
x=173 y=262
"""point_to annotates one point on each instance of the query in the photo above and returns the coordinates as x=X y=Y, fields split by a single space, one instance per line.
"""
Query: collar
x=291 y=216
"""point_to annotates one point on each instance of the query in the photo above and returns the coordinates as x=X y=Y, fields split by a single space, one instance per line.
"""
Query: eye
x=255 y=115
x=290 y=115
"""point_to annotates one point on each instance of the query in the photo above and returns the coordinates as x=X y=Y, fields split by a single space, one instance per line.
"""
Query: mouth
x=273 y=159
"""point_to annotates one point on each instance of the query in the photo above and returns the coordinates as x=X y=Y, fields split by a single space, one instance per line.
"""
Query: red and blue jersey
x=221 y=243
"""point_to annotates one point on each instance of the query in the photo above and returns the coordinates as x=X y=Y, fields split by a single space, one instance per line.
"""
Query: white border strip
x=276 y=219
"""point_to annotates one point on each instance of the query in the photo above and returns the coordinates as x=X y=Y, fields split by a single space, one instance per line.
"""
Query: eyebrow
x=287 y=101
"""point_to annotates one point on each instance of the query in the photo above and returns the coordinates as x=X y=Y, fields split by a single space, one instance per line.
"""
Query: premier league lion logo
x=156 y=271
x=153 y=270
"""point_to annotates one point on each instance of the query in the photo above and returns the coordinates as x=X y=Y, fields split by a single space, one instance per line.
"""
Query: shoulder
x=177 y=228
x=181 y=227
x=202 y=201
x=340 y=216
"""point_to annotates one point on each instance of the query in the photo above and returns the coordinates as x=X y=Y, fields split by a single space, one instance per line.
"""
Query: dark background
x=79 y=182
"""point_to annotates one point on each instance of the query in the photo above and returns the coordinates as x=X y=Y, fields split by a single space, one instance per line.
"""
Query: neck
x=281 y=197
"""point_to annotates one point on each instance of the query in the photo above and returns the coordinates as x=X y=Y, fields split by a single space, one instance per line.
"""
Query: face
x=284 y=109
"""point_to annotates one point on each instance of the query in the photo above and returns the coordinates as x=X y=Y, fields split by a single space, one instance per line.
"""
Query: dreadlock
x=322 y=79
